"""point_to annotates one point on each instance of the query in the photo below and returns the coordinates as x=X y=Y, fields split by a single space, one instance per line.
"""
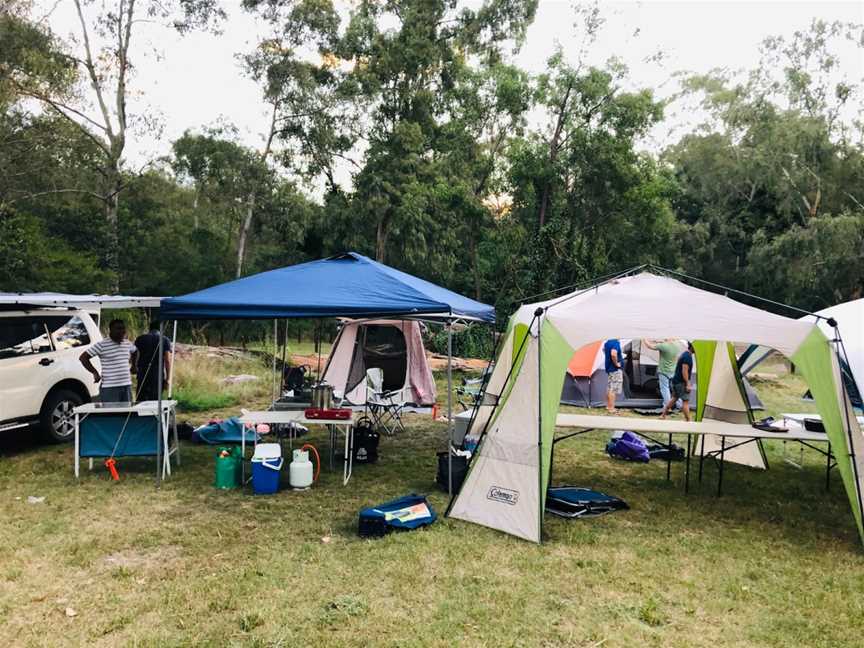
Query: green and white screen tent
x=722 y=397
x=505 y=487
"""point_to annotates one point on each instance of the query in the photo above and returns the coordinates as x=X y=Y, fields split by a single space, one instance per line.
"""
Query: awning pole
x=275 y=353
x=538 y=315
x=449 y=407
x=173 y=356
x=282 y=373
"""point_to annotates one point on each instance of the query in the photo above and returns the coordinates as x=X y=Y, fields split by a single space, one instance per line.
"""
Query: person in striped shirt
x=117 y=355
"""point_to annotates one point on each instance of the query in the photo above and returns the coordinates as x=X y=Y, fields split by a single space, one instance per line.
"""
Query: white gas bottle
x=300 y=471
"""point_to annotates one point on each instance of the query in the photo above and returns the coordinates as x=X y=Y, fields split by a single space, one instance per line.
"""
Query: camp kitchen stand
x=286 y=417
x=126 y=435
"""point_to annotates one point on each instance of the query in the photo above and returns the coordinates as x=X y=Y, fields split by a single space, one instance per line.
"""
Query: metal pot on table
x=322 y=396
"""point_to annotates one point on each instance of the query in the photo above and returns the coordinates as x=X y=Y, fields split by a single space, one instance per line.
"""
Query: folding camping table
x=797 y=419
x=738 y=433
x=298 y=416
x=122 y=426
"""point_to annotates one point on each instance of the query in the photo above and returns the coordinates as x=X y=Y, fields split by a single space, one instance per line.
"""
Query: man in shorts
x=669 y=351
x=614 y=359
x=681 y=383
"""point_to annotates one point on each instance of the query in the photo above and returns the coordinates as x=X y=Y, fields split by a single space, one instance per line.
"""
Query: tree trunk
x=544 y=201
x=553 y=155
x=112 y=223
x=195 y=208
x=381 y=240
x=244 y=234
x=475 y=267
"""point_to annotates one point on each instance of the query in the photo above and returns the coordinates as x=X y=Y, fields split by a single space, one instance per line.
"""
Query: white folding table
x=739 y=433
x=298 y=416
x=140 y=409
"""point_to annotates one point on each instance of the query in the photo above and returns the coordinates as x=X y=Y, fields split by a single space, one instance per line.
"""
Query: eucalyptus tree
x=781 y=147
x=583 y=196
x=394 y=97
x=101 y=55
x=412 y=62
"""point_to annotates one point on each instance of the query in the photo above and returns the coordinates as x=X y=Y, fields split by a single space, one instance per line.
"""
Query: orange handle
x=317 y=459
x=112 y=468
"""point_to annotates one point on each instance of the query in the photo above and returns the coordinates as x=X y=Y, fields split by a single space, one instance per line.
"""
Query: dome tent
x=505 y=487
x=586 y=379
x=849 y=318
x=395 y=347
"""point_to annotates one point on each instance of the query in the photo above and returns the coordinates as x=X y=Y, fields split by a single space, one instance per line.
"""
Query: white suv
x=41 y=378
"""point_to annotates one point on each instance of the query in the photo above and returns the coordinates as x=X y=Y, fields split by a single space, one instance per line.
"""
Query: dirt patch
x=438 y=362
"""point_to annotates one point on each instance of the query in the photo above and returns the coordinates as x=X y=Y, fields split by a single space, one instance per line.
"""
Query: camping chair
x=470 y=392
x=385 y=407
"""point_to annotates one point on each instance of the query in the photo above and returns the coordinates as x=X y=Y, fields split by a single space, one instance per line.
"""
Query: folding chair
x=385 y=407
x=471 y=390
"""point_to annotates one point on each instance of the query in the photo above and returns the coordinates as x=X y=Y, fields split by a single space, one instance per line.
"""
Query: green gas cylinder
x=227 y=467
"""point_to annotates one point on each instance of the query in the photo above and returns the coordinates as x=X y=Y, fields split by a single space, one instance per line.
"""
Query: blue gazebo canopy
x=346 y=285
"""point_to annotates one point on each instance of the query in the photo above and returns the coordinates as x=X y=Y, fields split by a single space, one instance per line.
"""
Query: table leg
x=701 y=457
x=176 y=437
x=77 y=447
x=349 y=455
x=828 y=469
x=166 y=460
x=332 y=432
x=722 y=455
x=669 y=459
x=687 y=468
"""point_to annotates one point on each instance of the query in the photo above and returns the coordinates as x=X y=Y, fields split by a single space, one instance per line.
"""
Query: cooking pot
x=322 y=396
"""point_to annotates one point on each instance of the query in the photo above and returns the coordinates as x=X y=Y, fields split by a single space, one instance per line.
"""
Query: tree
x=231 y=181
x=585 y=200
x=103 y=58
x=814 y=266
x=409 y=78
x=774 y=155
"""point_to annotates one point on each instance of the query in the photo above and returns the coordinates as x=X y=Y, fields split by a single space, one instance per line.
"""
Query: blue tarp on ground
x=347 y=285
x=227 y=431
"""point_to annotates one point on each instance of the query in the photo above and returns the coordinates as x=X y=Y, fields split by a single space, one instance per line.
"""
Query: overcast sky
x=193 y=81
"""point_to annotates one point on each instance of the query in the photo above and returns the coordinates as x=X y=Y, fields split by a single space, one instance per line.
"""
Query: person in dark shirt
x=614 y=364
x=681 y=383
x=148 y=363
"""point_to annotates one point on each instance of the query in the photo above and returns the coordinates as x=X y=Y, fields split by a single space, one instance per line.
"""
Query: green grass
x=776 y=561
x=189 y=400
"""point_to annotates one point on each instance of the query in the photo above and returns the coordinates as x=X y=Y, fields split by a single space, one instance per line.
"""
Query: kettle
x=322 y=396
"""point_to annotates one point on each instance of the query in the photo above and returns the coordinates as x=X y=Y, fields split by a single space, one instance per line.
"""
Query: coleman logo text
x=499 y=494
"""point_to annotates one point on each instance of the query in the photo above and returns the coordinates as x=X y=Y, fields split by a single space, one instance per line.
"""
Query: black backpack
x=295 y=377
x=365 y=441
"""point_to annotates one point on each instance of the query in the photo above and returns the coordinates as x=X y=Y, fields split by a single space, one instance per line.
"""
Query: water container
x=300 y=471
x=266 y=464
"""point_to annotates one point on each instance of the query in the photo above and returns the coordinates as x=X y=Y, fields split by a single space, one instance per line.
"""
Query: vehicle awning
x=84 y=302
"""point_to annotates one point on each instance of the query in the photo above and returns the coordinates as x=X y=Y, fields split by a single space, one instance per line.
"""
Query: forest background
x=404 y=130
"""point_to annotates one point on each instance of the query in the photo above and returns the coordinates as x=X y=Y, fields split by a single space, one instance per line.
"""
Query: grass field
x=776 y=561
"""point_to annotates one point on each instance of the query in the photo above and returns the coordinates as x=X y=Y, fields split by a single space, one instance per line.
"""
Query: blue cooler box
x=266 y=467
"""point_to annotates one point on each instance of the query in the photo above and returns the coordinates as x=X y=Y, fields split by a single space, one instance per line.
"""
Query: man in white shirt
x=117 y=355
